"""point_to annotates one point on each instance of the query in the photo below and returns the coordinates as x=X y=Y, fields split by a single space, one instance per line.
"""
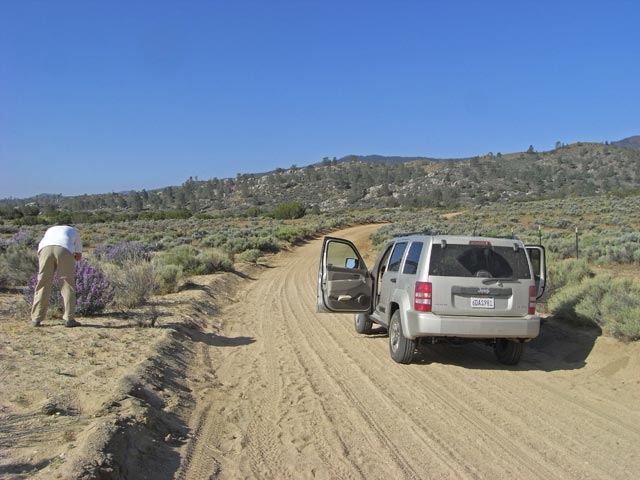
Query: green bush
x=288 y=210
x=133 y=283
x=250 y=256
x=215 y=240
x=611 y=304
x=183 y=256
x=240 y=244
x=215 y=260
x=194 y=262
x=563 y=304
x=621 y=309
x=167 y=278
x=18 y=262
x=566 y=272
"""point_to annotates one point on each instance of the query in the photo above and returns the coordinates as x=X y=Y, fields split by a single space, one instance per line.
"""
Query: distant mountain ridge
x=632 y=142
x=388 y=159
x=372 y=181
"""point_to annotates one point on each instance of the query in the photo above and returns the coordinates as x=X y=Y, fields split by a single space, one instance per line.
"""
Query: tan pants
x=51 y=259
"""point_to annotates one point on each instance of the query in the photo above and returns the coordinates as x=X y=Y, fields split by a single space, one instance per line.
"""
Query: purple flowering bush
x=124 y=253
x=93 y=291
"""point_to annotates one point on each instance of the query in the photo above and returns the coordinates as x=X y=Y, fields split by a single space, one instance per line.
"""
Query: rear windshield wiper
x=487 y=281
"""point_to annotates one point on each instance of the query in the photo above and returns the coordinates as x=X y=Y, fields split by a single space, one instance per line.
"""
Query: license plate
x=482 y=302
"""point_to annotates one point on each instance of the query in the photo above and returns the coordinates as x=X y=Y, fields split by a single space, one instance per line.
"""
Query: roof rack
x=475 y=233
x=423 y=232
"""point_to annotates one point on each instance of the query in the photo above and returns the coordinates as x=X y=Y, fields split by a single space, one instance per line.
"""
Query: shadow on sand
x=558 y=347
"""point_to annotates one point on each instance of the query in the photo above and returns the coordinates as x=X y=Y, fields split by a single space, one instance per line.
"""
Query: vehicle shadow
x=558 y=347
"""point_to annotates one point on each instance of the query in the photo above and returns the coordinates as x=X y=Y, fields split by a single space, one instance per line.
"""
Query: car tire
x=400 y=347
x=507 y=351
x=362 y=323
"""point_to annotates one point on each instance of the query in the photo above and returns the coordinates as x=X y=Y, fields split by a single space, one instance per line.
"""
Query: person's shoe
x=35 y=324
x=71 y=323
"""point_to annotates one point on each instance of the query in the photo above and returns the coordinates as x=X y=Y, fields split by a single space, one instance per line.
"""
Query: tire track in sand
x=312 y=399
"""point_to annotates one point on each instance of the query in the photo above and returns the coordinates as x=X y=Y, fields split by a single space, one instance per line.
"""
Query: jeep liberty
x=438 y=288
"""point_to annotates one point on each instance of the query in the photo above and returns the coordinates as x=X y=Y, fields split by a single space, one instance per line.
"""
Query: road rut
x=292 y=394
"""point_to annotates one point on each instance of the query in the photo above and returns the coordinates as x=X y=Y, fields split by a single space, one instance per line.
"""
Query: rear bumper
x=430 y=325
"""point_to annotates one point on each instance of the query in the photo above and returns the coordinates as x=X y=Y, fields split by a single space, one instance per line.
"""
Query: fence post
x=577 y=245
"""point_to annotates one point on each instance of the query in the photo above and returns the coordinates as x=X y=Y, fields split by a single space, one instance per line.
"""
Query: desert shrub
x=566 y=272
x=573 y=303
x=293 y=234
x=18 y=260
x=563 y=303
x=93 y=290
x=124 y=253
x=620 y=309
x=167 y=277
x=132 y=284
x=183 y=256
x=612 y=304
x=194 y=262
x=250 y=256
x=8 y=229
x=239 y=244
x=215 y=260
x=215 y=240
x=288 y=210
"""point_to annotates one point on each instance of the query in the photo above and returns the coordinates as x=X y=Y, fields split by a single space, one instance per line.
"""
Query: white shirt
x=63 y=236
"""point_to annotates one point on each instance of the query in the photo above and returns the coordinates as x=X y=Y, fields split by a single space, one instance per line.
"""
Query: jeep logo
x=484 y=291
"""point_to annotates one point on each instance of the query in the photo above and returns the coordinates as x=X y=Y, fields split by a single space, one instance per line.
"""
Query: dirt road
x=292 y=394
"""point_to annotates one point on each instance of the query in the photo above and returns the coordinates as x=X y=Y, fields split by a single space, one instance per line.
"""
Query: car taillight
x=533 y=293
x=422 y=297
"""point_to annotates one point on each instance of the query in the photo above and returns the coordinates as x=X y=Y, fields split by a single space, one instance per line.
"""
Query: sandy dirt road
x=292 y=394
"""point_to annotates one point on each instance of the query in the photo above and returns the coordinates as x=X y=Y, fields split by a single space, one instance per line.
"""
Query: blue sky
x=102 y=96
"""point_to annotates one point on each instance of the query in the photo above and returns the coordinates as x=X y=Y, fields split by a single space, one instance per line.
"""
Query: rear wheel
x=362 y=323
x=400 y=347
x=508 y=351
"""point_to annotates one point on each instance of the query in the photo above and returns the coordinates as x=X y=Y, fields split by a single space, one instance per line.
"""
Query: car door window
x=343 y=256
x=413 y=258
x=396 y=256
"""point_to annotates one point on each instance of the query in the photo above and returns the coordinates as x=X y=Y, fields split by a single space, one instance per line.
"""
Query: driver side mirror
x=351 y=263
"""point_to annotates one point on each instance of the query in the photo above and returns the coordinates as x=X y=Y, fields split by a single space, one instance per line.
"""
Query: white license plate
x=483 y=302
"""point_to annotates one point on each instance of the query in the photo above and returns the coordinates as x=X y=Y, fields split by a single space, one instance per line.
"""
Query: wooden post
x=539 y=234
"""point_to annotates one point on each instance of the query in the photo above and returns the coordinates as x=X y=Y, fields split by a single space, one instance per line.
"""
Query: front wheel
x=362 y=323
x=507 y=351
x=400 y=347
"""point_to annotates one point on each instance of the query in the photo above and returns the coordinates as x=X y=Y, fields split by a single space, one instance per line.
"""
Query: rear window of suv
x=479 y=261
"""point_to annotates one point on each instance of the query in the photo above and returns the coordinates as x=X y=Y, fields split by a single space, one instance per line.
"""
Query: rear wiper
x=487 y=281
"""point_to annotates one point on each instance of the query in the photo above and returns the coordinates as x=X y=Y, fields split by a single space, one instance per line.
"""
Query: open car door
x=539 y=263
x=344 y=283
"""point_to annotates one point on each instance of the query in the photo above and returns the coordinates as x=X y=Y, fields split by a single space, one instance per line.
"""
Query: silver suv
x=438 y=288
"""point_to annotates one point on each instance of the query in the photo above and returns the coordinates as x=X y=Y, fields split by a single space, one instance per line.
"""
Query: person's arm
x=77 y=243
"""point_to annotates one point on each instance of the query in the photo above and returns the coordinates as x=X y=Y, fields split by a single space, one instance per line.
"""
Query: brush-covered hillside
x=580 y=169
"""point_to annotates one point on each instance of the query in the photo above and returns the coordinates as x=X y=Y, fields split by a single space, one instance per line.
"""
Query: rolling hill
x=358 y=182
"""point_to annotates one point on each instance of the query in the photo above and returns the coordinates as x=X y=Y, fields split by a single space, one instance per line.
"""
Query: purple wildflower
x=93 y=291
x=124 y=253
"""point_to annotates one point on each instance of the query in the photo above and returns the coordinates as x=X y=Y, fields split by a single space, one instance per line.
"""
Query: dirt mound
x=108 y=399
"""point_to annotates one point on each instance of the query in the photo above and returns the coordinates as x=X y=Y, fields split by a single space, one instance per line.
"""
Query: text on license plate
x=483 y=302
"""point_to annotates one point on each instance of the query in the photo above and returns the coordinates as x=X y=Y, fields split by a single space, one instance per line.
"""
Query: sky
x=109 y=96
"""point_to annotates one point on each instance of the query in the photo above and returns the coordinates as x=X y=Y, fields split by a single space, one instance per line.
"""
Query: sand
x=241 y=378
